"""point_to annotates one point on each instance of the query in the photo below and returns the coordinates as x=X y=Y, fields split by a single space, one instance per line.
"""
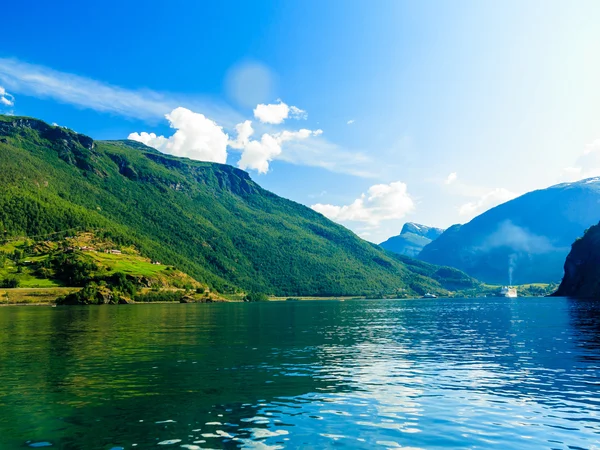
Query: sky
x=373 y=113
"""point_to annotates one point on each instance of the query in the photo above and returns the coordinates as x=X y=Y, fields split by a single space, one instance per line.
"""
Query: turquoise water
x=476 y=373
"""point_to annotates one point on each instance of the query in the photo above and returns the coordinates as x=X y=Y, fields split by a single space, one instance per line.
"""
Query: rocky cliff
x=582 y=267
x=412 y=239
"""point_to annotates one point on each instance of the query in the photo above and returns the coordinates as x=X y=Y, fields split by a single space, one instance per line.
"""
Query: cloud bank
x=381 y=203
x=518 y=239
x=200 y=138
x=257 y=154
x=44 y=82
x=82 y=92
x=276 y=113
x=197 y=137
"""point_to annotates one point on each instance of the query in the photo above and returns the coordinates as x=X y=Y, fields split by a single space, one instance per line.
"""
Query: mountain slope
x=524 y=240
x=209 y=220
x=411 y=239
x=582 y=267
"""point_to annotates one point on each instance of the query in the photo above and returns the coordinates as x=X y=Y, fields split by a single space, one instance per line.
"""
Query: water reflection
x=585 y=321
x=492 y=373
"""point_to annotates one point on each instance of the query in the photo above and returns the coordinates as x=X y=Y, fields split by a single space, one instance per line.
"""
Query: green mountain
x=525 y=240
x=582 y=267
x=208 y=220
x=412 y=239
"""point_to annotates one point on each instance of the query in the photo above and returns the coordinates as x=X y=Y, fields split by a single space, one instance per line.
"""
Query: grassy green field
x=23 y=273
x=39 y=265
x=23 y=296
x=130 y=264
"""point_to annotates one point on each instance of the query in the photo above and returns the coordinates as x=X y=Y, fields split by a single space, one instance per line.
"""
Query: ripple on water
x=437 y=374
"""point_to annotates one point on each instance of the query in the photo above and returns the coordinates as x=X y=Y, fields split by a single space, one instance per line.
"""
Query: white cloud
x=587 y=165
x=486 y=201
x=451 y=178
x=197 y=137
x=382 y=202
x=276 y=113
x=319 y=152
x=244 y=131
x=44 y=82
x=258 y=154
x=350 y=122
x=5 y=98
x=297 y=135
x=297 y=113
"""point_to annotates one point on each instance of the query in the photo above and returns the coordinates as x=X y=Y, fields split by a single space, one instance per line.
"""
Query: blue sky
x=405 y=111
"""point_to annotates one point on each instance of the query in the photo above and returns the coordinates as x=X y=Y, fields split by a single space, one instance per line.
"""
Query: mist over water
x=486 y=373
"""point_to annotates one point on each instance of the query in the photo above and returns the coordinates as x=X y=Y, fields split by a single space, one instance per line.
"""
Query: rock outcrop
x=412 y=239
x=582 y=267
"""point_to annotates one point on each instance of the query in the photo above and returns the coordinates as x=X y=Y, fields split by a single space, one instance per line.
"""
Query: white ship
x=509 y=292
x=428 y=295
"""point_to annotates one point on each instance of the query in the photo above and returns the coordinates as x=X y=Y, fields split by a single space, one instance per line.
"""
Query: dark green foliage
x=91 y=294
x=450 y=277
x=160 y=296
x=17 y=256
x=537 y=290
x=256 y=297
x=10 y=282
x=73 y=271
x=120 y=282
x=208 y=220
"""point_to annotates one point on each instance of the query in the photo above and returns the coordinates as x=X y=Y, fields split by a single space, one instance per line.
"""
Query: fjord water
x=462 y=373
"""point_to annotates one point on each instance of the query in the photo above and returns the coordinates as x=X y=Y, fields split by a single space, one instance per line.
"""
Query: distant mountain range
x=582 y=267
x=525 y=240
x=412 y=239
x=211 y=221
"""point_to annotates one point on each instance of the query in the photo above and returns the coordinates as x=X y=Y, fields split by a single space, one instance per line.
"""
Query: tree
x=256 y=297
x=11 y=283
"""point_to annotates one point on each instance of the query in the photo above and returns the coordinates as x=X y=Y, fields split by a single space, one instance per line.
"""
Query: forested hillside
x=209 y=220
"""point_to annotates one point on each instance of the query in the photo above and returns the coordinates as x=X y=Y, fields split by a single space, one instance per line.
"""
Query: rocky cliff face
x=422 y=230
x=582 y=267
x=53 y=133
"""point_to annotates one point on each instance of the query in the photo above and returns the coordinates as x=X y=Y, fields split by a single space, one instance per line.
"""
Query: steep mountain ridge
x=210 y=220
x=525 y=240
x=412 y=239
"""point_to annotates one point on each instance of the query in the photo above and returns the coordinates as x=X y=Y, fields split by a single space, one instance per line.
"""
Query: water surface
x=466 y=373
